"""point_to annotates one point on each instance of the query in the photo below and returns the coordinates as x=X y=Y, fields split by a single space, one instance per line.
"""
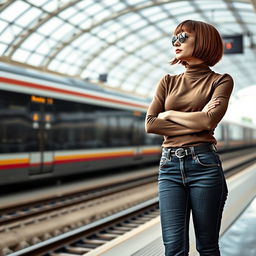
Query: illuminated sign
x=41 y=100
x=37 y=99
x=233 y=44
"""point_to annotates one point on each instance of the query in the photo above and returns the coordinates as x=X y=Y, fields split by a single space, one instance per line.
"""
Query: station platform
x=146 y=239
x=240 y=238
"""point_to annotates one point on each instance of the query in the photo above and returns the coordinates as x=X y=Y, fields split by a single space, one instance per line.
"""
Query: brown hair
x=208 y=42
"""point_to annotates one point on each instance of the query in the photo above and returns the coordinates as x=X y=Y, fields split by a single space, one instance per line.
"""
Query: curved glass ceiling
x=128 y=40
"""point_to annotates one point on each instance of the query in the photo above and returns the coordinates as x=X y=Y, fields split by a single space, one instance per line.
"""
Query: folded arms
x=173 y=123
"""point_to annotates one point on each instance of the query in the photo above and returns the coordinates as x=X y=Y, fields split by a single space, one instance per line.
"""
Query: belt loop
x=193 y=152
x=169 y=154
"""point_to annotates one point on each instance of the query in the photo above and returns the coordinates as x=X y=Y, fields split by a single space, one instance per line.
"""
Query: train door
x=42 y=155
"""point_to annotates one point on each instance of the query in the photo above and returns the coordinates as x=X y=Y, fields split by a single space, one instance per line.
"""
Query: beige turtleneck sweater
x=186 y=95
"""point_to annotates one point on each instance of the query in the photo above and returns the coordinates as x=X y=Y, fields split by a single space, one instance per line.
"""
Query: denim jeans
x=193 y=183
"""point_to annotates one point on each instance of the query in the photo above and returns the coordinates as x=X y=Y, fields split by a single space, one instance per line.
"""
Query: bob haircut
x=208 y=42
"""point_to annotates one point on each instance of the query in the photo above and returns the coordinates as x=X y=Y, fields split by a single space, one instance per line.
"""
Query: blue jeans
x=193 y=183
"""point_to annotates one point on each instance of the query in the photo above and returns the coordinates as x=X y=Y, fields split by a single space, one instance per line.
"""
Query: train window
x=113 y=131
x=67 y=126
x=115 y=128
x=73 y=130
x=101 y=130
x=235 y=132
x=15 y=122
x=137 y=130
x=153 y=139
x=80 y=126
x=248 y=134
x=125 y=129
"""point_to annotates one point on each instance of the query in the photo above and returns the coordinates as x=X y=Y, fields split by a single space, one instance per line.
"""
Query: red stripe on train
x=13 y=166
x=45 y=87
x=27 y=165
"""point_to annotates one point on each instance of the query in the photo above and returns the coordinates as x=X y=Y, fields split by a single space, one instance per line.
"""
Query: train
x=54 y=126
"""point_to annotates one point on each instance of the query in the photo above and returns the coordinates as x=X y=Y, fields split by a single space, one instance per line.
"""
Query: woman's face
x=184 y=47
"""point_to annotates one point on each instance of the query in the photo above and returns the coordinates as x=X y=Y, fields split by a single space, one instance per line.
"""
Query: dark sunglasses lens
x=182 y=37
x=174 y=39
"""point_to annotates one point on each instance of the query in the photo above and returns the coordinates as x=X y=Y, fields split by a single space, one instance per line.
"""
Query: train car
x=233 y=135
x=53 y=126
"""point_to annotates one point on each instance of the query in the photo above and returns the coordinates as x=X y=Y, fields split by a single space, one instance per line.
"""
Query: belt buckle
x=180 y=152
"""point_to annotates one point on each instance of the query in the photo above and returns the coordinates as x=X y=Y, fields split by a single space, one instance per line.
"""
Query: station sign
x=233 y=44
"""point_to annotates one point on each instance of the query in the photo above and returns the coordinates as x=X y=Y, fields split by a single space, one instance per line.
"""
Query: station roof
x=128 y=40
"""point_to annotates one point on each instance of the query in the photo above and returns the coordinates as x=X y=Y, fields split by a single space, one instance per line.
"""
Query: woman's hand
x=164 y=115
x=211 y=105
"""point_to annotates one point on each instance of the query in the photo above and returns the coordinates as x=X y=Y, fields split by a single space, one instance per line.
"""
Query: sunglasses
x=181 y=37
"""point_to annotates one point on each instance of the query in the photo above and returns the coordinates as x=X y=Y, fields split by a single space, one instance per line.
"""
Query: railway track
x=21 y=212
x=31 y=230
x=18 y=221
x=89 y=237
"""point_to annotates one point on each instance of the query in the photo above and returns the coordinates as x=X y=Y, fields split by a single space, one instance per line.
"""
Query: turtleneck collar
x=197 y=70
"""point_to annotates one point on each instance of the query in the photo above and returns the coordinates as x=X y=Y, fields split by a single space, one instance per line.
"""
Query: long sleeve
x=207 y=121
x=153 y=124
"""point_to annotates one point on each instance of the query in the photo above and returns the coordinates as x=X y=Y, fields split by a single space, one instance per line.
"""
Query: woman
x=185 y=110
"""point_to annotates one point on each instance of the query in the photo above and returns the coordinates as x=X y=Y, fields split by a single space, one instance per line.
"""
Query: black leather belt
x=185 y=151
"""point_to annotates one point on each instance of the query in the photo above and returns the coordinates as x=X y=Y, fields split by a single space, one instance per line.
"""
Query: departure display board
x=233 y=44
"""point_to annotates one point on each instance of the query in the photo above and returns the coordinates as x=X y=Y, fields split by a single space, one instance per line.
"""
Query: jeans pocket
x=207 y=159
x=163 y=161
